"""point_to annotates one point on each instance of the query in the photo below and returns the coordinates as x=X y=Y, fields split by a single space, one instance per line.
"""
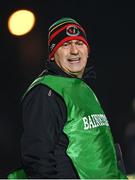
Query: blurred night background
x=110 y=27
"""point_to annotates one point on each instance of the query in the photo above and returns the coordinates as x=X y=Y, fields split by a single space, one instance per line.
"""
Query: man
x=66 y=133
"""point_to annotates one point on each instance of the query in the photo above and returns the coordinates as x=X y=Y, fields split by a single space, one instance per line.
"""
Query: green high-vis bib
x=17 y=174
x=91 y=146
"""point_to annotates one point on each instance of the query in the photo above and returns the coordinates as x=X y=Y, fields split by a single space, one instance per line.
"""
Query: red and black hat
x=63 y=30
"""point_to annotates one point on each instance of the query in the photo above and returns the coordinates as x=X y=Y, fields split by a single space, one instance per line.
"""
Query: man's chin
x=76 y=73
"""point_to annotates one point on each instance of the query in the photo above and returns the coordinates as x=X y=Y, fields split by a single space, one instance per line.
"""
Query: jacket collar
x=53 y=69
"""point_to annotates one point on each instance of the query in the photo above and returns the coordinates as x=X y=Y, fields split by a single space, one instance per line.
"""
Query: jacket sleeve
x=120 y=161
x=41 y=113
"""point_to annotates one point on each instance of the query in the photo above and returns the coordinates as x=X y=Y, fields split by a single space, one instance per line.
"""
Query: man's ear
x=52 y=59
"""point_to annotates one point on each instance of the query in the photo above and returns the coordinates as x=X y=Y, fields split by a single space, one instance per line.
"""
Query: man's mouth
x=74 y=60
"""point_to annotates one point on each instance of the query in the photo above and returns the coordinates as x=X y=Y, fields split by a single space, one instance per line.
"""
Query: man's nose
x=73 y=49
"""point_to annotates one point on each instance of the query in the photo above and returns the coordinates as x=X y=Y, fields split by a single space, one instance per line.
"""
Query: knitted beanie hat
x=63 y=30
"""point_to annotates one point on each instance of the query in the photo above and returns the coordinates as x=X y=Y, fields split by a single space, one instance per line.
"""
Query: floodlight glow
x=21 y=22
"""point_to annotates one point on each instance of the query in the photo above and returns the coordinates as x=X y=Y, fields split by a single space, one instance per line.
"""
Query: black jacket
x=43 y=143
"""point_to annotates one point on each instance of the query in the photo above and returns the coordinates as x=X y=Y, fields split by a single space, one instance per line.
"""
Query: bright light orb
x=21 y=22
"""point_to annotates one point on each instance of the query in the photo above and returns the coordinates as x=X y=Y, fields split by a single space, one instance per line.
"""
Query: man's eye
x=65 y=44
x=80 y=43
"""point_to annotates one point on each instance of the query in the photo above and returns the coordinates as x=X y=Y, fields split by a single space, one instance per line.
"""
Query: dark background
x=110 y=28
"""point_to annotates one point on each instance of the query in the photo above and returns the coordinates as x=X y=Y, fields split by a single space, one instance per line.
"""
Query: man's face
x=71 y=57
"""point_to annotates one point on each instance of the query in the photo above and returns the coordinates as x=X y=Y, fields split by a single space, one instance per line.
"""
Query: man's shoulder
x=36 y=85
x=39 y=90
